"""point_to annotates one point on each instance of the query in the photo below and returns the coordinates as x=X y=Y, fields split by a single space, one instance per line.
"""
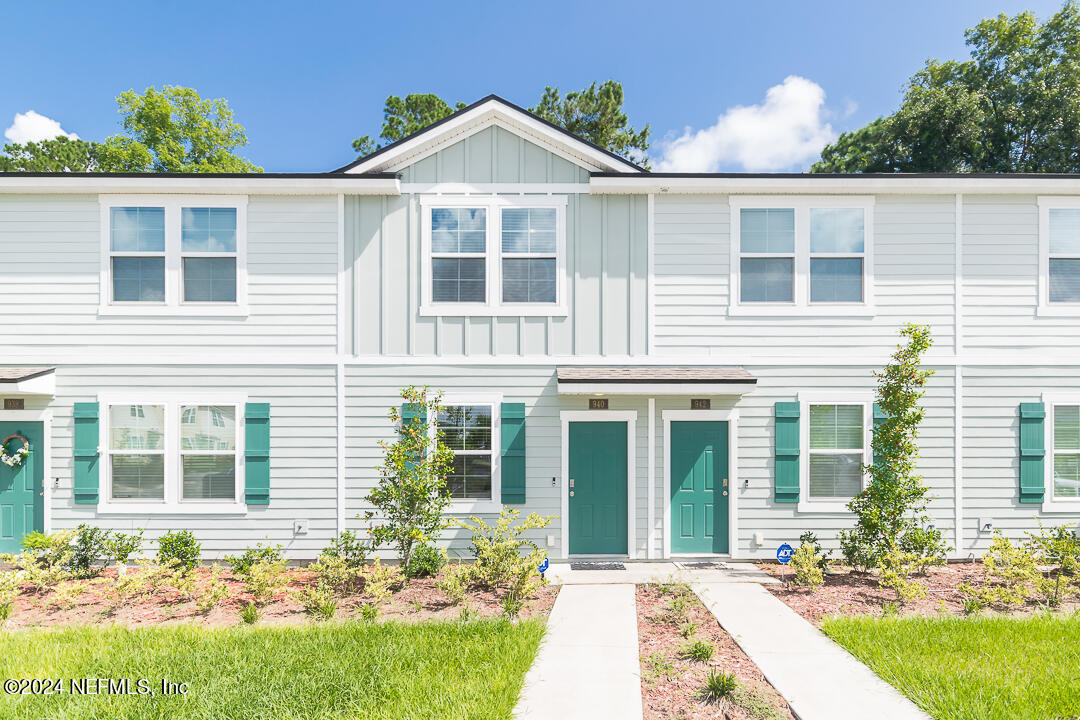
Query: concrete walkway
x=818 y=678
x=588 y=662
x=656 y=572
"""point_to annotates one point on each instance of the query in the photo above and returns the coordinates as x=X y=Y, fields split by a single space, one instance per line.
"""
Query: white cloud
x=34 y=127
x=784 y=132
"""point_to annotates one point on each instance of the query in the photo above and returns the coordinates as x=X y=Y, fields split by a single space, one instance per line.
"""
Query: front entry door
x=699 y=487
x=597 y=488
x=22 y=502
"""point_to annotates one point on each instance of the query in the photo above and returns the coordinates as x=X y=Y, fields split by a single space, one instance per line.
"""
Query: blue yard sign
x=784 y=553
x=543 y=566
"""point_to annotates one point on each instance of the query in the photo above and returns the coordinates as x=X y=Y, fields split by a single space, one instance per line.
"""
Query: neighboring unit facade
x=671 y=365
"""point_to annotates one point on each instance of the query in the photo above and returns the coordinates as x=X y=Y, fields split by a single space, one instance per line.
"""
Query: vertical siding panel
x=588 y=257
x=478 y=157
x=507 y=160
x=536 y=163
x=616 y=291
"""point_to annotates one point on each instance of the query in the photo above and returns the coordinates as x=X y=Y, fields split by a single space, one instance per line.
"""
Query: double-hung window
x=1059 y=256
x=493 y=255
x=173 y=255
x=1063 y=459
x=168 y=454
x=800 y=254
x=470 y=426
x=836 y=437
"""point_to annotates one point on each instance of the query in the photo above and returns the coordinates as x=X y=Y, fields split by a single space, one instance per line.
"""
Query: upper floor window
x=800 y=253
x=173 y=255
x=493 y=255
x=1059 y=255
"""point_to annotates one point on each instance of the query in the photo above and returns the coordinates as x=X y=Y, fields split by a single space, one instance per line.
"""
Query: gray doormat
x=597 y=566
x=702 y=565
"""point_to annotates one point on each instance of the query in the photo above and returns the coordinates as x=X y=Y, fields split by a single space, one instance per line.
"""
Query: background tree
x=595 y=114
x=1014 y=107
x=175 y=130
x=60 y=154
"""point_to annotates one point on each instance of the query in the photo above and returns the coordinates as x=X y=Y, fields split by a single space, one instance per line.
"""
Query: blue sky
x=305 y=78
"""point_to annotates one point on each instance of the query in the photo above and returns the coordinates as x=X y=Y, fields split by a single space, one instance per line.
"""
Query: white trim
x=801 y=305
x=731 y=417
x=779 y=184
x=958 y=379
x=1045 y=308
x=45 y=417
x=493 y=305
x=1052 y=504
x=651 y=515
x=630 y=418
x=646 y=388
x=827 y=397
x=172 y=453
x=483 y=115
x=174 y=304
x=66 y=183
x=43 y=385
x=454 y=188
x=494 y=400
x=650 y=277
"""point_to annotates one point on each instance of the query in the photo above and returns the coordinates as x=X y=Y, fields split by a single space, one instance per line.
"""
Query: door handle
x=725 y=492
x=571 y=483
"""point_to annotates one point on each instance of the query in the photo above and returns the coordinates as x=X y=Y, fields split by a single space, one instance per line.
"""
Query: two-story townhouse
x=672 y=365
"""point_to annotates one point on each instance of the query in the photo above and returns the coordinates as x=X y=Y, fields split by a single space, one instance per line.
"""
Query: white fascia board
x=40 y=385
x=201 y=185
x=855 y=184
x=622 y=388
x=480 y=117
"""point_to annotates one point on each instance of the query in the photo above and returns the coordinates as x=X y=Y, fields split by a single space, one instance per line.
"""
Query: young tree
x=891 y=511
x=1014 y=107
x=59 y=154
x=175 y=130
x=411 y=496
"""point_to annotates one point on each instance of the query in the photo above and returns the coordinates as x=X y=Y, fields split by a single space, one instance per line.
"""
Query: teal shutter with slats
x=786 y=451
x=411 y=411
x=86 y=456
x=513 y=452
x=257 y=453
x=1032 y=452
x=879 y=417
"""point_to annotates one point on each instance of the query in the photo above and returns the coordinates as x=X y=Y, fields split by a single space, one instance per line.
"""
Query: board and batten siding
x=606 y=264
x=914 y=262
x=51 y=286
x=303 y=458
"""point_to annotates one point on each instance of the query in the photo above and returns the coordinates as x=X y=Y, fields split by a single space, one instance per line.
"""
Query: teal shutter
x=411 y=411
x=786 y=451
x=513 y=453
x=879 y=417
x=85 y=465
x=257 y=453
x=1032 y=452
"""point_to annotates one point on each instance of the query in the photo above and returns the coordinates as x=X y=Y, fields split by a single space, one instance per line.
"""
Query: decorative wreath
x=16 y=458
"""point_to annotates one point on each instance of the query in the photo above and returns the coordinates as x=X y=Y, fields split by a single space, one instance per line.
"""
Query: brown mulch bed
x=671 y=686
x=852 y=593
x=418 y=600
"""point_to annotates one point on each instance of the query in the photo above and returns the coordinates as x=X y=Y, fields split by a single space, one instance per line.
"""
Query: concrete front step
x=654 y=572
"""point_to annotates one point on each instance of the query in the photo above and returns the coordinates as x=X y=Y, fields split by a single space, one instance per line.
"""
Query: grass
x=373 y=671
x=975 y=668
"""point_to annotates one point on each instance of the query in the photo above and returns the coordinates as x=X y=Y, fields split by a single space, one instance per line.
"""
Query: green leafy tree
x=1013 y=107
x=891 y=511
x=175 y=130
x=404 y=116
x=410 y=498
x=59 y=154
x=596 y=114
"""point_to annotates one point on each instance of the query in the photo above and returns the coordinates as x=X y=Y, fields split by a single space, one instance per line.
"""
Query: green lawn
x=980 y=668
x=368 y=671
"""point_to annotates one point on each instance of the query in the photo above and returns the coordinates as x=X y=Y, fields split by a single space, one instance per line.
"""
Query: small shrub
x=87 y=547
x=6 y=606
x=369 y=611
x=179 y=548
x=66 y=595
x=264 y=579
x=807 y=564
x=657 y=666
x=348 y=548
x=241 y=564
x=895 y=572
x=338 y=573
x=185 y=585
x=719 y=685
x=249 y=613
x=454 y=582
x=688 y=629
x=498 y=548
x=810 y=538
x=119 y=547
x=213 y=592
x=378 y=581
x=425 y=561
x=697 y=650
x=318 y=600
x=971 y=605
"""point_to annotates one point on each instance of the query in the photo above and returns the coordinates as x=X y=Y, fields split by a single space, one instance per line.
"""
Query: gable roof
x=491 y=110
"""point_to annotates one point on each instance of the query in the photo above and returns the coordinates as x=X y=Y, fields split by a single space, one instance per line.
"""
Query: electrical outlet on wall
x=551 y=541
x=300 y=527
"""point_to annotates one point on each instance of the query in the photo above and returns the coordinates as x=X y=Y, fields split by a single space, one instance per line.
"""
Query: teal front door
x=597 y=488
x=22 y=503
x=699 y=487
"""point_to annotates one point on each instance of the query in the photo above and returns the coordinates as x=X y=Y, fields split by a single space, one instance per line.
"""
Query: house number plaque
x=598 y=403
x=700 y=403
x=14 y=403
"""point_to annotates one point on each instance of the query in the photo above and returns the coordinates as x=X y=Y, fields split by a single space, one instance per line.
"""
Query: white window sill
x=824 y=506
x=474 y=507
x=122 y=508
x=1061 y=506
x=160 y=310
x=482 y=310
x=1058 y=310
x=790 y=310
